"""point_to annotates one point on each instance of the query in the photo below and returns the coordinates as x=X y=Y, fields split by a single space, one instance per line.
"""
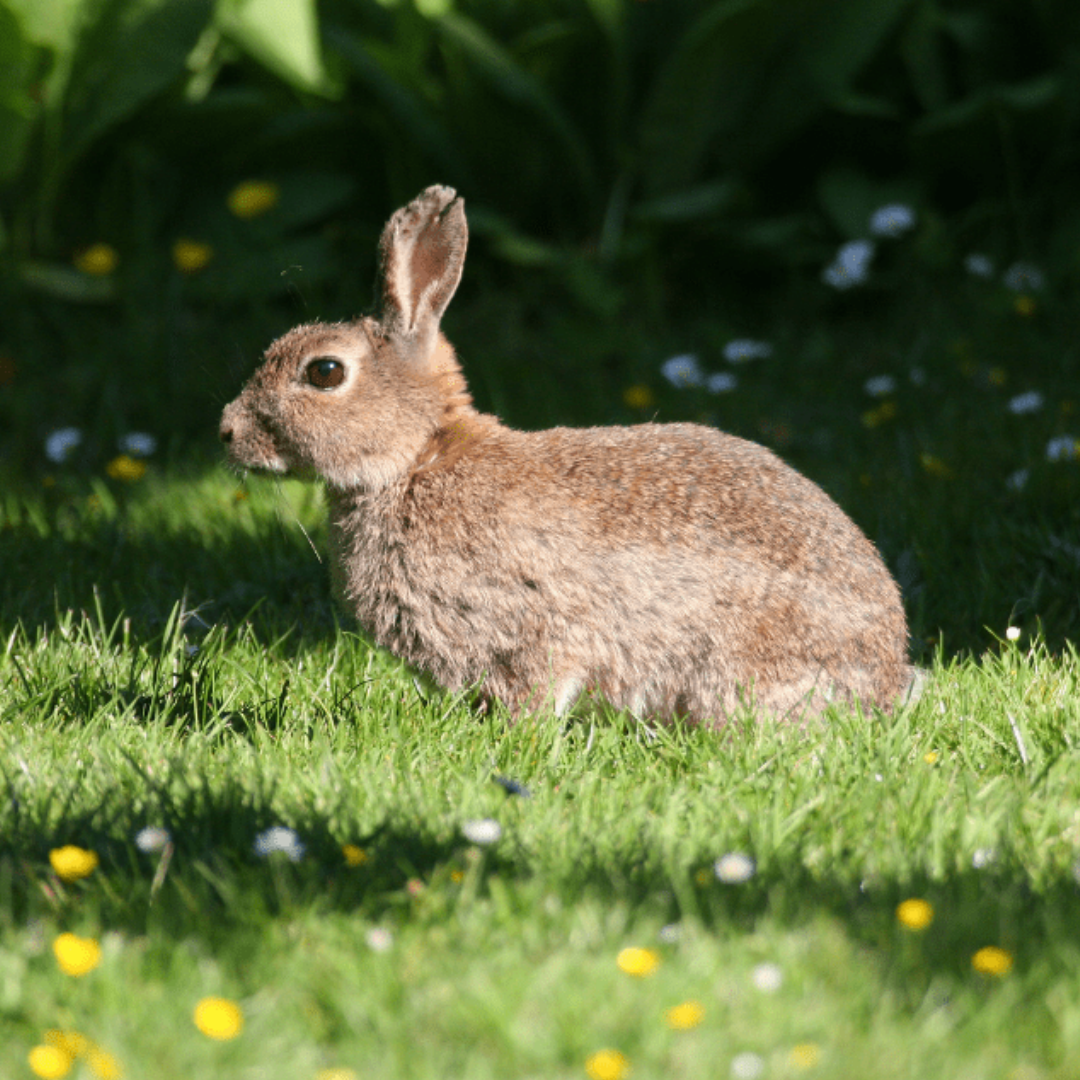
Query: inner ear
x=422 y=254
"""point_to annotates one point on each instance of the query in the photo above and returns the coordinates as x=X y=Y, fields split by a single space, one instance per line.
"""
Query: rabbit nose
x=225 y=432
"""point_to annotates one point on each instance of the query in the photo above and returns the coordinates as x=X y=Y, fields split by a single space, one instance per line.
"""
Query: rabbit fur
x=675 y=570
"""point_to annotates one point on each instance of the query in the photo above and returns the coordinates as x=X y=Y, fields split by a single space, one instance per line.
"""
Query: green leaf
x=130 y=52
x=747 y=75
x=696 y=202
x=418 y=124
x=67 y=283
x=283 y=35
x=515 y=83
x=18 y=68
x=52 y=23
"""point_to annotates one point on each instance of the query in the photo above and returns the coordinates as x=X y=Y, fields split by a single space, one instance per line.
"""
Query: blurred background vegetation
x=181 y=180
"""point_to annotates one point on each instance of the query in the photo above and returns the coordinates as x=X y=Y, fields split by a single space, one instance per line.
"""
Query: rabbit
x=673 y=570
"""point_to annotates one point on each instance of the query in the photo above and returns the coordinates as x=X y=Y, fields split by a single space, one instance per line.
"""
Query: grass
x=502 y=958
x=169 y=657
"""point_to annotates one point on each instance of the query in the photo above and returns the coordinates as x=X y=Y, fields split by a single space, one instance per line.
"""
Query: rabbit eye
x=325 y=374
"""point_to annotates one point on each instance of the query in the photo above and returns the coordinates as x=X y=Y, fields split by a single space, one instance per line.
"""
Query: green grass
x=169 y=656
x=220 y=724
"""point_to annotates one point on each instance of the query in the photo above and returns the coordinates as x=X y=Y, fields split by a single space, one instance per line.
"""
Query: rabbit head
x=356 y=403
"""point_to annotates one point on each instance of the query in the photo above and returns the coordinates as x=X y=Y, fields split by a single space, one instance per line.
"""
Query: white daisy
x=880 y=385
x=138 y=444
x=379 y=939
x=983 y=857
x=768 y=978
x=979 y=265
x=892 y=220
x=152 y=838
x=1024 y=277
x=682 y=370
x=279 y=838
x=742 y=349
x=747 y=1066
x=61 y=442
x=1017 y=481
x=721 y=382
x=481 y=831
x=1031 y=401
x=734 y=868
x=1062 y=448
x=1013 y=633
x=851 y=266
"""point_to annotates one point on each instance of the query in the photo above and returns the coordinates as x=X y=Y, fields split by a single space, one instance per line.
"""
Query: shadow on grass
x=212 y=886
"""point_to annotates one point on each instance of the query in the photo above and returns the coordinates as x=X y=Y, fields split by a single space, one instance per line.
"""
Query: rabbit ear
x=422 y=252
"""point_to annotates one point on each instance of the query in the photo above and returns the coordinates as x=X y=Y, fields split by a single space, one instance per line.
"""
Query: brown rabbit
x=672 y=569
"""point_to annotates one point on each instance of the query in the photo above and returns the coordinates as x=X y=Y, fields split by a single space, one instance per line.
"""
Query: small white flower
x=138 y=444
x=152 y=838
x=1024 y=277
x=670 y=934
x=879 y=778
x=880 y=385
x=851 y=265
x=1062 y=448
x=279 y=838
x=379 y=939
x=721 y=382
x=983 y=857
x=768 y=978
x=734 y=868
x=1028 y=402
x=481 y=830
x=742 y=349
x=61 y=442
x=979 y=265
x=917 y=376
x=1013 y=633
x=892 y=220
x=1017 y=481
x=747 y=1066
x=682 y=370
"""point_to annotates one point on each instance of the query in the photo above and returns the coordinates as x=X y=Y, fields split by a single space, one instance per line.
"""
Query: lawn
x=375 y=881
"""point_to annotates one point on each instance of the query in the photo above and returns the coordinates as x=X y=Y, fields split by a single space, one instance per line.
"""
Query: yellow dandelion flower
x=930 y=757
x=191 y=256
x=638 y=397
x=336 y=1074
x=103 y=1065
x=685 y=1016
x=873 y=418
x=49 y=1062
x=1025 y=306
x=805 y=1055
x=219 y=1018
x=915 y=914
x=239 y=497
x=76 y=956
x=457 y=876
x=252 y=198
x=607 y=1065
x=639 y=962
x=354 y=855
x=992 y=961
x=98 y=260
x=126 y=468
x=71 y=863
x=70 y=1042
x=935 y=466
